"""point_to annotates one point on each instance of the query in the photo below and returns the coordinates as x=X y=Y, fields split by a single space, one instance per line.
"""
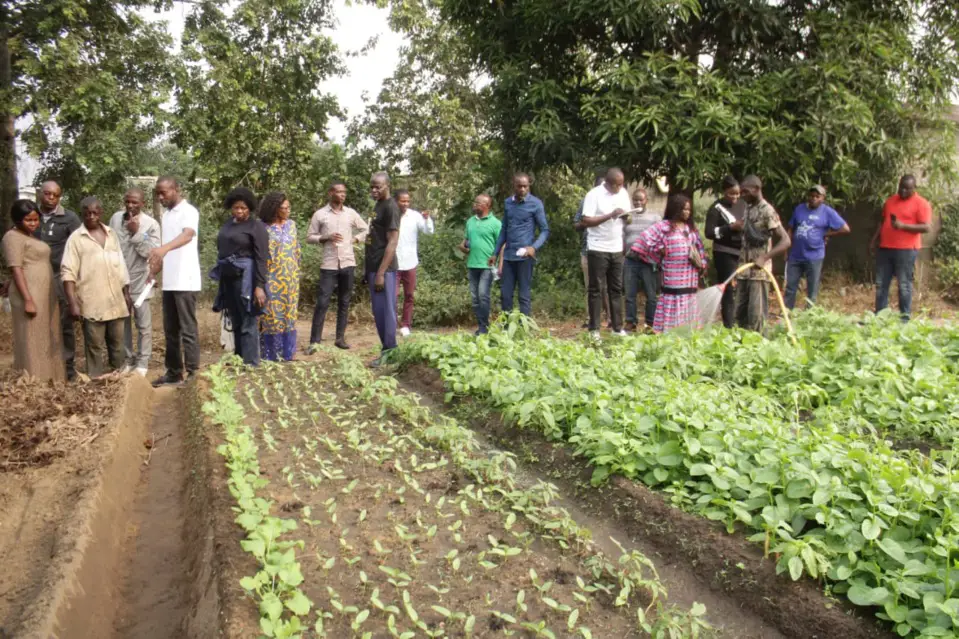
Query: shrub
x=946 y=250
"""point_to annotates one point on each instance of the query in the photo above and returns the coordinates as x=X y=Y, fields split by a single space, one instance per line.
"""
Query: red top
x=915 y=210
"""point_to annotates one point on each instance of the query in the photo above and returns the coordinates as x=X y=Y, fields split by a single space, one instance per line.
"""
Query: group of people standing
x=391 y=260
x=258 y=267
x=68 y=268
x=627 y=247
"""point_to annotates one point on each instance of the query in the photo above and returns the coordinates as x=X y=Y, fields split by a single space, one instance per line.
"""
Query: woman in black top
x=727 y=242
x=243 y=247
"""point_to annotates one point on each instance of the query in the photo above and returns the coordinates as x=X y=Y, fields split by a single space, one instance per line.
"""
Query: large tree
x=432 y=117
x=249 y=109
x=85 y=79
x=844 y=92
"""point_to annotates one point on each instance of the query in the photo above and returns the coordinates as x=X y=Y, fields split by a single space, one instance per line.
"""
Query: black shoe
x=167 y=379
x=341 y=343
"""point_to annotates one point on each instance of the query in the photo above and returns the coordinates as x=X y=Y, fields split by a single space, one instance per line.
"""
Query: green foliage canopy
x=88 y=79
x=248 y=105
x=842 y=92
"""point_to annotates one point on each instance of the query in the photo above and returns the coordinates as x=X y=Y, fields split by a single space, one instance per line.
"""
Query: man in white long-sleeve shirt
x=412 y=223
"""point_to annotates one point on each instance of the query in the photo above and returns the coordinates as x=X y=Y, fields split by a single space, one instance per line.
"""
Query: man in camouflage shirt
x=759 y=225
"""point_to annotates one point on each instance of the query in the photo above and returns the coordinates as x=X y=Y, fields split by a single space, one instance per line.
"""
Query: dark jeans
x=584 y=264
x=384 y=308
x=103 y=346
x=67 y=331
x=179 y=325
x=795 y=271
x=341 y=280
x=606 y=267
x=246 y=334
x=481 y=280
x=898 y=263
x=726 y=265
x=638 y=273
x=517 y=272
x=752 y=304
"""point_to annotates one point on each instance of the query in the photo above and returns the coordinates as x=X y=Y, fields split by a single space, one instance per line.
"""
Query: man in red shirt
x=905 y=217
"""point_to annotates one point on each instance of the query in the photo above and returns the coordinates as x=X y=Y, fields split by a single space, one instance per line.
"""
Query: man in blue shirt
x=522 y=214
x=812 y=224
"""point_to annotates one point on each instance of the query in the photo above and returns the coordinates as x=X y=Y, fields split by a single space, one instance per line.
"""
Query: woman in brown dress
x=33 y=298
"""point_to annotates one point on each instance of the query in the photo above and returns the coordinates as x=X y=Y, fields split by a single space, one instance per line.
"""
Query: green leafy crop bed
x=787 y=443
x=370 y=516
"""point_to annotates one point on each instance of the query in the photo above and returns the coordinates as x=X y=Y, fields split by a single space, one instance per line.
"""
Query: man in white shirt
x=412 y=223
x=179 y=258
x=604 y=208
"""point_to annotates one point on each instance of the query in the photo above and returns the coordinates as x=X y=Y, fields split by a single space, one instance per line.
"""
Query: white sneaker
x=596 y=337
x=405 y=332
x=126 y=368
x=142 y=372
x=621 y=333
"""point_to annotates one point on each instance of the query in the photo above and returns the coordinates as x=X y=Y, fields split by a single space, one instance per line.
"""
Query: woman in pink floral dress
x=675 y=247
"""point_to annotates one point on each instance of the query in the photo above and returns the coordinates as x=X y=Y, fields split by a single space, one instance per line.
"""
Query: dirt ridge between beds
x=80 y=588
x=219 y=606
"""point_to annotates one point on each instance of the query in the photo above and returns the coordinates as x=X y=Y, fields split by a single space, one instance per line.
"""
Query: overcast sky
x=357 y=23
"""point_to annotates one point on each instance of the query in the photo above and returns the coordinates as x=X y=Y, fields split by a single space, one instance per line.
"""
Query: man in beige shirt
x=332 y=227
x=97 y=286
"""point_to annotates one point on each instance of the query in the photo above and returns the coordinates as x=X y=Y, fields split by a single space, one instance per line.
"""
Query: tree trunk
x=8 y=138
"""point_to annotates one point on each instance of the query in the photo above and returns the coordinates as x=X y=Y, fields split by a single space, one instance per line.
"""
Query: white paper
x=730 y=218
x=143 y=295
x=521 y=252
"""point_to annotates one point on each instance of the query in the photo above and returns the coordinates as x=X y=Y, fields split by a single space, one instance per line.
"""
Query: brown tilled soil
x=99 y=536
x=155 y=587
x=63 y=449
x=360 y=518
x=43 y=421
x=696 y=559
x=50 y=447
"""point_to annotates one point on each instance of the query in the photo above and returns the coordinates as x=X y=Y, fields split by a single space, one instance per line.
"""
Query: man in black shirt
x=56 y=225
x=381 y=261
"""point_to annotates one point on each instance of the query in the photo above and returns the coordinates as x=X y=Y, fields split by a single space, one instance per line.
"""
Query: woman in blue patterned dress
x=278 y=323
x=675 y=246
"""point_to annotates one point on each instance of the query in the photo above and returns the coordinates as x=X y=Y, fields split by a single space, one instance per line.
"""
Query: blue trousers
x=481 y=280
x=384 y=308
x=638 y=273
x=246 y=334
x=795 y=271
x=517 y=272
x=898 y=263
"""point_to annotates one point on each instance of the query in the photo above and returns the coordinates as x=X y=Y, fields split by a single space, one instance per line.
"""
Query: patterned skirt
x=674 y=311
x=277 y=346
